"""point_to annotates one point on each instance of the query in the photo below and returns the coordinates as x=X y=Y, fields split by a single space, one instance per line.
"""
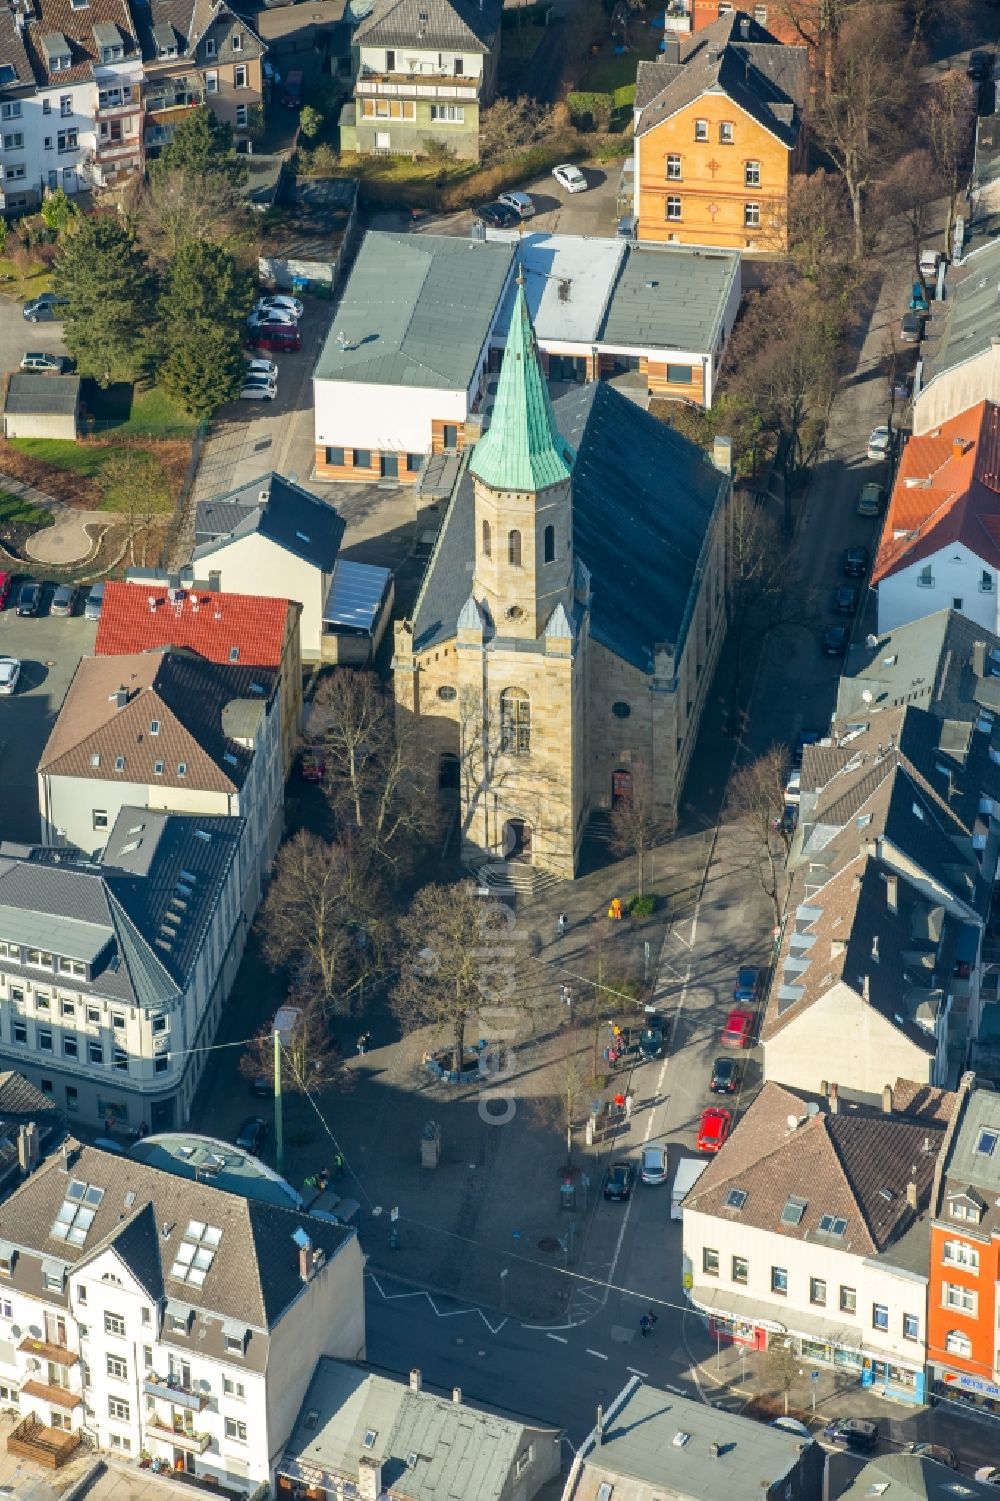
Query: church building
x=567 y=628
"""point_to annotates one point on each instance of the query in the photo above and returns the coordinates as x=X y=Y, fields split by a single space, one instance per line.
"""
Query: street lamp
x=503 y=1288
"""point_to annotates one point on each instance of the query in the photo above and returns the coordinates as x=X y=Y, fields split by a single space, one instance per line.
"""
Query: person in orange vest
x=615 y=910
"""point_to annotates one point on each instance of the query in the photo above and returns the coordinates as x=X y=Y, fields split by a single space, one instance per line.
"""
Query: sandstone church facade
x=567 y=628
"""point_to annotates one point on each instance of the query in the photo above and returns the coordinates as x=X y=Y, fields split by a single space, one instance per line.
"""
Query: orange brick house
x=719 y=133
x=776 y=15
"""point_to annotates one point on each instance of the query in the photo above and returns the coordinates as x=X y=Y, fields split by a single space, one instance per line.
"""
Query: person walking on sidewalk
x=561 y=925
x=628 y=1107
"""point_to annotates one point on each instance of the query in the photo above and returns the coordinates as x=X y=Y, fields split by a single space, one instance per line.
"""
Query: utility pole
x=279 y=1143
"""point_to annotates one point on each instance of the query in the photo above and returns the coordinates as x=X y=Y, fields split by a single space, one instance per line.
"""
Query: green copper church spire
x=522 y=448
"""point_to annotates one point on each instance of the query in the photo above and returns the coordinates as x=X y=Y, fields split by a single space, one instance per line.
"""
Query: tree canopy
x=201 y=144
x=202 y=308
x=110 y=294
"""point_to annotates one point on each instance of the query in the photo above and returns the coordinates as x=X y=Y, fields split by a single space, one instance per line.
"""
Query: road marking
x=649 y=1127
x=599 y=1354
x=448 y=1313
x=675 y=1389
x=643 y=1374
x=558 y=1337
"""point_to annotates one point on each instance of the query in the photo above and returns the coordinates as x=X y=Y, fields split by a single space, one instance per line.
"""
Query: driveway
x=49 y=650
x=17 y=335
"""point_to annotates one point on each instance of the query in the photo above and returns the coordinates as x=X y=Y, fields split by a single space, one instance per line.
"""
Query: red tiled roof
x=947 y=490
x=137 y=617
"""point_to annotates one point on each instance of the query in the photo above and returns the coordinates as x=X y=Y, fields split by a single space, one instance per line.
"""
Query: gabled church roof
x=522 y=448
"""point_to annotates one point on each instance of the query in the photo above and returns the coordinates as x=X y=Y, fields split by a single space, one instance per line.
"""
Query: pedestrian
x=619 y=1103
x=108 y=1124
x=565 y=995
x=615 y=910
x=616 y=1031
x=644 y=1325
x=628 y=1107
x=561 y=925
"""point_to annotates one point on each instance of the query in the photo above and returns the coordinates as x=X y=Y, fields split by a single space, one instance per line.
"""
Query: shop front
x=898 y=1383
x=972 y=1392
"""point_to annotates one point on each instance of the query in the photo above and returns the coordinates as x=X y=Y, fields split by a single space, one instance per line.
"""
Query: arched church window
x=550 y=544
x=515 y=722
x=487 y=541
x=514 y=549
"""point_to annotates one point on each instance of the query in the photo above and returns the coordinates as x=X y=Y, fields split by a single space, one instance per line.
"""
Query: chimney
x=714 y=1449
x=416 y=1383
x=671 y=48
x=599 y=1427
x=456 y=1395
x=306 y=1261
x=834 y=1099
x=892 y=893
x=713 y=54
x=369 y=1478
x=958 y=448
x=28 y=1147
x=865 y=988
x=979 y=658
x=875 y=947
x=911 y=1195
x=887 y=1099
x=745 y=28
x=722 y=454
x=214 y=581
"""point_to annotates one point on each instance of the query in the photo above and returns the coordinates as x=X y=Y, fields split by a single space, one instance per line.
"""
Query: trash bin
x=430 y=1145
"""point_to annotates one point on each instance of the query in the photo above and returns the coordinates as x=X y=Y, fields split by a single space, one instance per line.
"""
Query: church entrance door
x=517 y=839
x=621 y=787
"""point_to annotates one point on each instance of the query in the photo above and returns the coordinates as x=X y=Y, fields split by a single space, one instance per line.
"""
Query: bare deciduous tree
x=310 y=1058
x=949 y=119
x=820 y=232
x=511 y=125
x=907 y=194
x=636 y=823
x=756 y=800
x=173 y=208
x=764 y=590
x=135 y=486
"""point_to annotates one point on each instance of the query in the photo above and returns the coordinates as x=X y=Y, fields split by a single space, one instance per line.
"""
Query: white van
x=689 y=1170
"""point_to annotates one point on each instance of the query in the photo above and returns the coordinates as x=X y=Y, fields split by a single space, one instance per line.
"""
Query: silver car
x=10 y=671
x=45 y=364
x=95 y=601
x=653 y=1169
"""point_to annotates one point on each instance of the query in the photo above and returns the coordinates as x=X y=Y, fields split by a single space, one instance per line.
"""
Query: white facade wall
x=253 y=565
x=59 y=110
x=385 y=419
x=874 y=1283
x=957 y=581
x=81 y=811
x=421 y=60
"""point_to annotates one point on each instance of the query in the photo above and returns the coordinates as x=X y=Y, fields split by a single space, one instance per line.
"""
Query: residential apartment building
x=792 y=23
x=944 y=663
x=963 y=1345
x=155 y=609
x=959 y=362
x=167 y=729
x=154 y=1314
x=424 y=70
x=414 y=1444
x=880 y=962
x=940 y=543
x=790 y=1236
x=70 y=105
x=719 y=134
x=114 y=970
x=195 y=54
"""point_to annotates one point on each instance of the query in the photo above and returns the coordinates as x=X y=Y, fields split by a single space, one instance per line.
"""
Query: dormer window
x=237 y=41
x=210 y=46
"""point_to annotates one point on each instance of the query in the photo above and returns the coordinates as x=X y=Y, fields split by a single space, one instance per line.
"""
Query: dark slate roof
x=284 y=512
x=22 y=1102
x=15 y=68
x=643 y=503
x=453 y=25
x=932 y=662
x=254 y=1276
x=190 y=21
x=123 y=900
x=764 y=79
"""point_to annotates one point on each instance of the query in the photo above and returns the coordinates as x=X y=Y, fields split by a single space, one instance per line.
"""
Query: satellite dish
x=812 y=1109
x=867 y=695
x=871 y=642
x=15 y=1331
x=34 y=1331
x=793 y=1121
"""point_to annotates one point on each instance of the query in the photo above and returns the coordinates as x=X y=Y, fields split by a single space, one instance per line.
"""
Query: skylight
x=736 y=1198
x=196 y=1253
x=793 y=1211
x=832 y=1224
x=77 y=1212
x=369 y=1439
x=986 y=1145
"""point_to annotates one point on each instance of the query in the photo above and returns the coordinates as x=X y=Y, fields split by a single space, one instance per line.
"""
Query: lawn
x=607 y=72
x=128 y=411
x=16 y=511
x=12 y=284
x=79 y=458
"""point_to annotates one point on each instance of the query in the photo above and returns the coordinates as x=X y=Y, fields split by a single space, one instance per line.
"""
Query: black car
x=979 y=65
x=497 y=216
x=835 y=640
x=652 y=1041
x=252 y=1135
x=856 y=1433
x=845 y=600
x=42 y=307
x=262 y=1088
x=911 y=328
x=29 y=599
x=618 y=1181
x=937 y=1452
x=726 y=1075
x=856 y=562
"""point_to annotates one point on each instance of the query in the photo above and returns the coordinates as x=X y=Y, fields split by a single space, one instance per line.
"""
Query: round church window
x=515 y=613
x=447 y=693
x=620 y=710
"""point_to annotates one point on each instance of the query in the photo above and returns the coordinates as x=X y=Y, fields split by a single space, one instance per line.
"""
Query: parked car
x=845 y=600
x=262 y=1088
x=879 y=442
x=6 y=584
x=291 y=93
x=738 y=1027
x=497 y=215
x=263 y=367
x=714 y=1129
x=283 y=302
x=522 y=203
x=747 y=984
x=43 y=364
x=29 y=599
x=987 y=1475
x=726 y=1075
x=980 y=65
x=570 y=178
x=855 y=1433
x=618 y=1181
x=930 y=260
x=271 y=317
x=42 y=307
x=252 y=1135
x=628 y=226
x=64 y=600
x=802 y=739
x=10 y=671
x=835 y=639
x=856 y=562
x=652 y=1040
x=793 y=787
x=871 y=500
x=911 y=328
x=791 y=1425
x=937 y=1452
x=653 y=1168
x=258 y=390
x=95 y=601
x=902 y=385
x=276 y=337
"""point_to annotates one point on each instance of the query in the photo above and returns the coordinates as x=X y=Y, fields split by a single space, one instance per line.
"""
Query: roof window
x=77 y=1213
x=736 y=1198
x=987 y=1143
x=832 y=1224
x=793 y=1211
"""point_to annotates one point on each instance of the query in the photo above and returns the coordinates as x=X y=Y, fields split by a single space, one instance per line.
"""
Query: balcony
x=170 y=1389
x=58 y=1354
x=56 y=1396
x=176 y=97
x=416 y=86
x=109 y=151
x=115 y=111
x=191 y=1443
x=49 y=1447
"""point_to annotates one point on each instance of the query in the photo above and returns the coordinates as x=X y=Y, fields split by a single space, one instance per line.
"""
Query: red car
x=6 y=580
x=279 y=337
x=736 y=1032
x=714 y=1128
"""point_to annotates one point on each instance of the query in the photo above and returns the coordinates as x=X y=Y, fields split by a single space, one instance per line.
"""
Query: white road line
x=661 y=1077
x=675 y=1389
x=600 y=1355
x=643 y=1374
x=558 y=1337
x=649 y=1127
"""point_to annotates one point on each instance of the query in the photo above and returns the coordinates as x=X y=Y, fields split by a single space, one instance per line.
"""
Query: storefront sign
x=971 y=1384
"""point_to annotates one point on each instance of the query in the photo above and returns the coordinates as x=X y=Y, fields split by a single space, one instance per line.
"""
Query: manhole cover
x=549 y=1243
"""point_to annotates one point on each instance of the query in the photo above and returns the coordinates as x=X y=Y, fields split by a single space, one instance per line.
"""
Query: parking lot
x=17 y=335
x=48 y=649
